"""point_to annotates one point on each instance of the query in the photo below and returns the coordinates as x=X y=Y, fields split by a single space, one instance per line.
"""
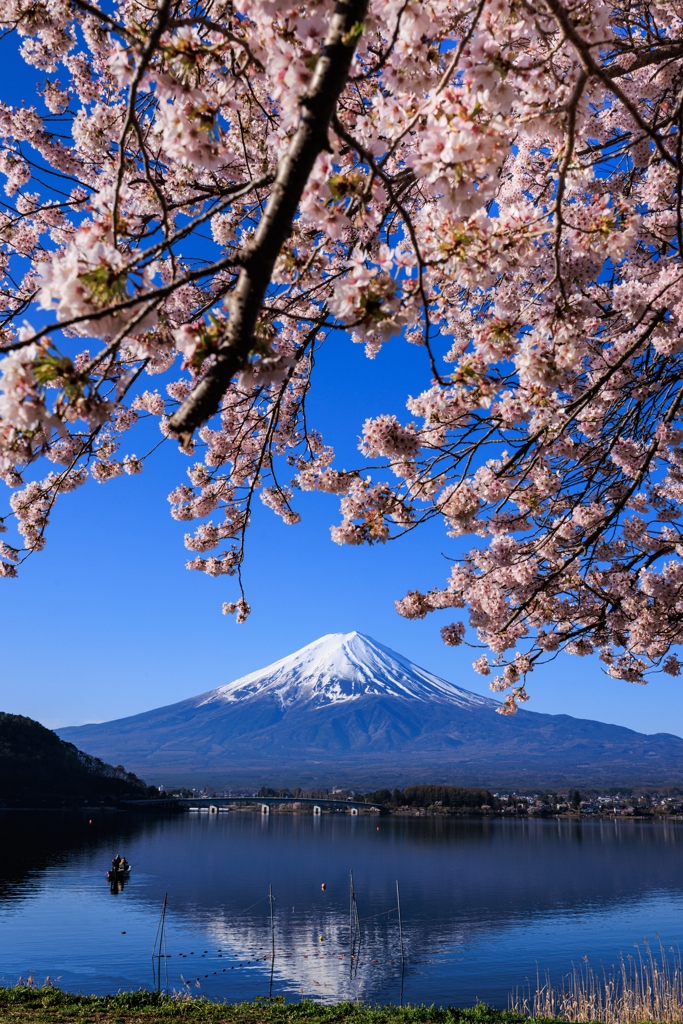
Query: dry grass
x=646 y=986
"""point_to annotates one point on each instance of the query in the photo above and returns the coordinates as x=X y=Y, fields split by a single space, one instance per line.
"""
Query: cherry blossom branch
x=145 y=57
x=444 y=80
x=310 y=139
x=384 y=56
x=151 y=296
x=105 y=18
x=389 y=185
x=595 y=70
x=562 y=176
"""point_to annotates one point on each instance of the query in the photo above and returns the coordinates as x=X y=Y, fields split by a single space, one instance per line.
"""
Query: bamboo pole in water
x=350 y=913
x=272 y=942
x=359 y=933
x=165 y=950
x=352 y=928
x=159 y=944
x=400 y=936
x=355 y=936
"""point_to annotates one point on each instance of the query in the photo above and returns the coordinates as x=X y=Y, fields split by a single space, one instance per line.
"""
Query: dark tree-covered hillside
x=37 y=769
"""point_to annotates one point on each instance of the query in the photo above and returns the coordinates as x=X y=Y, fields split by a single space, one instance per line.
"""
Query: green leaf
x=353 y=35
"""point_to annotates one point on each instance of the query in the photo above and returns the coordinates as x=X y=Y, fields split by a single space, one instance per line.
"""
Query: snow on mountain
x=346 y=709
x=338 y=668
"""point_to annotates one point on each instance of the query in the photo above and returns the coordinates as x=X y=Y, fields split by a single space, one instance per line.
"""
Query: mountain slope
x=346 y=709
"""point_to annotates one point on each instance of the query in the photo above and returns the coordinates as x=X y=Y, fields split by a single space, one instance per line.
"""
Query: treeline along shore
x=458 y=800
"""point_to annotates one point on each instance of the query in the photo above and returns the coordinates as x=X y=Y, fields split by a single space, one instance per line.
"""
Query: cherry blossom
x=206 y=192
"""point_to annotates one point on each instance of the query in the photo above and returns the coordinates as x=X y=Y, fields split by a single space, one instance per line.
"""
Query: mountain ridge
x=347 y=709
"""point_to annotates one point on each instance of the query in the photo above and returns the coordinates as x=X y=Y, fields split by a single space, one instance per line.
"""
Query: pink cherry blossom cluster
x=206 y=191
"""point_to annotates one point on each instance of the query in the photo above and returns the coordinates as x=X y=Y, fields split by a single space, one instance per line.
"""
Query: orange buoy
x=323 y=887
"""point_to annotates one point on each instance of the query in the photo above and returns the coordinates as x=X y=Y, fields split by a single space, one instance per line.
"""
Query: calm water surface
x=485 y=903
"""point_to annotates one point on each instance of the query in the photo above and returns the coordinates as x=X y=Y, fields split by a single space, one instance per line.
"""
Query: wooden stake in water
x=272 y=942
x=400 y=936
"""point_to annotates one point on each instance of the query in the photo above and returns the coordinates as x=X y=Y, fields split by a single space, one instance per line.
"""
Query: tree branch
x=309 y=140
x=658 y=55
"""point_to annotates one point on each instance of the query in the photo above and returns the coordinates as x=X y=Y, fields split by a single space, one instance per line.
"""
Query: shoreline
x=471 y=813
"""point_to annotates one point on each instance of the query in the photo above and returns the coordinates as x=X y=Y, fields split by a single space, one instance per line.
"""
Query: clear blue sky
x=107 y=621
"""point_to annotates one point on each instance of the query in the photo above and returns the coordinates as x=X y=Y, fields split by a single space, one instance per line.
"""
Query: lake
x=486 y=903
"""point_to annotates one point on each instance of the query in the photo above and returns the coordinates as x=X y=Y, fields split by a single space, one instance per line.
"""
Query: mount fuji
x=347 y=710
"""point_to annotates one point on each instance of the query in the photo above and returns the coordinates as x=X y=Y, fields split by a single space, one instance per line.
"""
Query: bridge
x=213 y=803
x=266 y=802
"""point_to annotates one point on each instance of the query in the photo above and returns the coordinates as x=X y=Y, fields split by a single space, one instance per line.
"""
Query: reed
x=645 y=986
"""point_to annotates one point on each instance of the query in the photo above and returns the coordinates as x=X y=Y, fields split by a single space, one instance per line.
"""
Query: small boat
x=119 y=873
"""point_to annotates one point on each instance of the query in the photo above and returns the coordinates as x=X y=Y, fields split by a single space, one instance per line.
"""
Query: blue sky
x=107 y=621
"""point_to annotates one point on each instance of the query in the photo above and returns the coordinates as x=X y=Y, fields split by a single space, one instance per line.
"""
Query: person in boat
x=116 y=863
x=124 y=865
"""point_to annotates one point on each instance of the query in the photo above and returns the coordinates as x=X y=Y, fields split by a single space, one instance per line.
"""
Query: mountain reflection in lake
x=485 y=902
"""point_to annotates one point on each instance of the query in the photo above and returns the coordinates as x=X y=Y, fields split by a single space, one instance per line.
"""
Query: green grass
x=52 y=1006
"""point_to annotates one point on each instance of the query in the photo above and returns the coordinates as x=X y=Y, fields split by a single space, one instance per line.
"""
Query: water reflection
x=117 y=883
x=483 y=902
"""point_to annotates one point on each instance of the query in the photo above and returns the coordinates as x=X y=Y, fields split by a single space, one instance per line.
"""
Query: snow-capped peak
x=343 y=667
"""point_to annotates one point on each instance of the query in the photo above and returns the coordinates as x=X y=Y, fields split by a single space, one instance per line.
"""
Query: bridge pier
x=265 y=809
x=213 y=809
x=317 y=810
x=353 y=811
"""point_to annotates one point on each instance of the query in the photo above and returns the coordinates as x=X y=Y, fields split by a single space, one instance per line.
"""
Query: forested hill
x=37 y=769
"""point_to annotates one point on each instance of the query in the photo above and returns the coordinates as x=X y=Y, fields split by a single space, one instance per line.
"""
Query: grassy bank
x=47 y=1005
x=52 y=1006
